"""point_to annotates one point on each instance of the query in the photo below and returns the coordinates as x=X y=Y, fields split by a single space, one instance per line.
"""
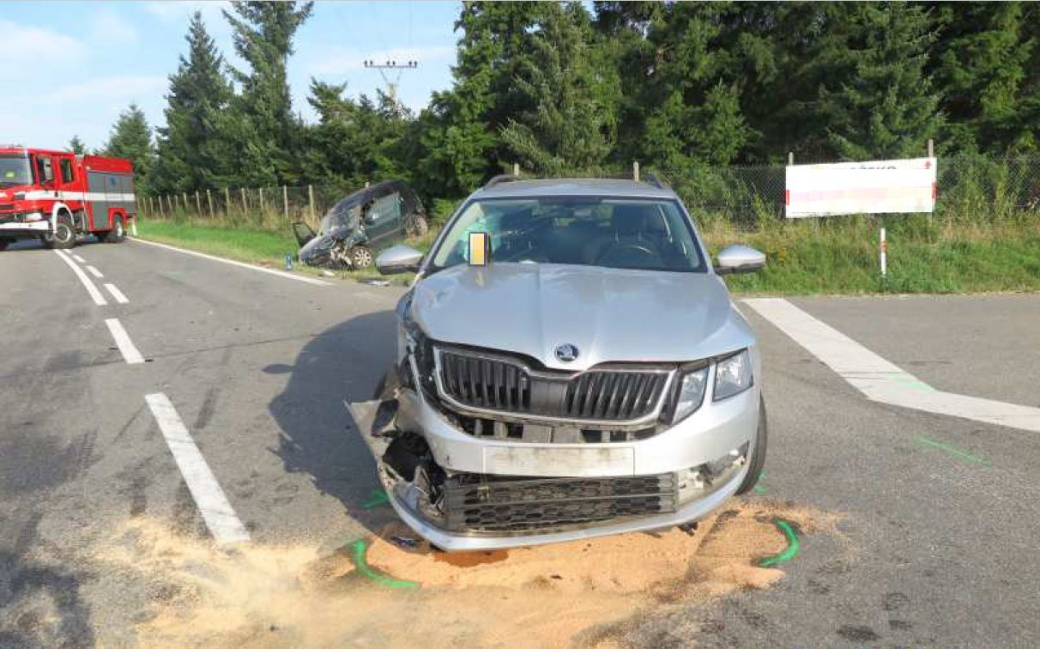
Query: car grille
x=496 y=384
x=477 y=504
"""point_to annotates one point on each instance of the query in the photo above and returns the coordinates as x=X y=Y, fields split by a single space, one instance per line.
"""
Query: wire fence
x=970 y=188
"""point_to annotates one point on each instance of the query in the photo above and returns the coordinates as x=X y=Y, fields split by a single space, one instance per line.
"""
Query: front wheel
x=118 y=232
x=757 y=459
x=64 y=235
x=360 y=257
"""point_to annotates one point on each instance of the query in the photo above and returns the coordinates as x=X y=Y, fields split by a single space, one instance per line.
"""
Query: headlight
x=733 y=375
x=691 y=393
x=33 y=216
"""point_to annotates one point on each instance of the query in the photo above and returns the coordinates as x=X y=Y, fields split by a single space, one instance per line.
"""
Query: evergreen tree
x=982 y=70
x=883 y=106
x=76 y=145
x=270 y=136
x=570 y=122
x=192 y=147
x=131 y=138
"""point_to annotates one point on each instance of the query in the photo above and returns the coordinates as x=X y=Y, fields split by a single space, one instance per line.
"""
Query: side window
x=384 y=207
x=66 y=171
x=45 y=172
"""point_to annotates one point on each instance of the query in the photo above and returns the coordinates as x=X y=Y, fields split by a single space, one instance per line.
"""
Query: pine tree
x=76 y=145
x=270 y=136
x=883 y=106
x=981 y=70
x=570 y=123
x=192 y=147
x=131 y=138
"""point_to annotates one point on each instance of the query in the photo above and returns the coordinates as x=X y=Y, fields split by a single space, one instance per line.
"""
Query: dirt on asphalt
x=577 y=594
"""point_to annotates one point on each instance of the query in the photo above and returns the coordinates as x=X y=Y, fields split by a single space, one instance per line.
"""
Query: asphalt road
x=939 y=549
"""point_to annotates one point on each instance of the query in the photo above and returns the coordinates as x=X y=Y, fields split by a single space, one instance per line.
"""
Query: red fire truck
x=58 y=196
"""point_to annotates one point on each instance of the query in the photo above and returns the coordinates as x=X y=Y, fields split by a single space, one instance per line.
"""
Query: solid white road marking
x=116 y=293
x=126 y=346
x=879 y=379
x=79 y=259
x=95 y=294
x=95 y=272
x=220 y=518
x=240 y=264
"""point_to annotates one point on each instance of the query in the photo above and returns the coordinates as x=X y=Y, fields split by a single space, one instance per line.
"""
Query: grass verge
x=818 y=256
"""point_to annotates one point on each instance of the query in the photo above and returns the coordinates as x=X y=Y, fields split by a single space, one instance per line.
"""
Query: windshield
x=15 y=170
x=632 y=234
x=343 y=214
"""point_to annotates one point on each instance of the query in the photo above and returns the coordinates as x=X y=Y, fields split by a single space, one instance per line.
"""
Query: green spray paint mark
x=793 y=545
x=759 y=489
x=360 y=548
x=377 y=499
x=952 y=450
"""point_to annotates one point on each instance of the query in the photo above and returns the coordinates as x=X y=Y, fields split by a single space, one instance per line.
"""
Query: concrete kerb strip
x=881 y=381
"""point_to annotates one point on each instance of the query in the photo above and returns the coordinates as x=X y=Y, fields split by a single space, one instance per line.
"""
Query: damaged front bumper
x=465 y=493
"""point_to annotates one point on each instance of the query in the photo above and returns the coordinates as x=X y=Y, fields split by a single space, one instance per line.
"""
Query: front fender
x=55 y=210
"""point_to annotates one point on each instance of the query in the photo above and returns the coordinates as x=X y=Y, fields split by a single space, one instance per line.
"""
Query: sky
x=70 y=68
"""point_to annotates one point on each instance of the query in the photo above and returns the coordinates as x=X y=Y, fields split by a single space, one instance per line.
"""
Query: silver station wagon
x=570 y=365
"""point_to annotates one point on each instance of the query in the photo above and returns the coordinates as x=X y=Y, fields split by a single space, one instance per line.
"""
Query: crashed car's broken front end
x=482 y=449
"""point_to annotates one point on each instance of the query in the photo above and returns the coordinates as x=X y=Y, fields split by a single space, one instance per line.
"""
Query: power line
x=391 y=72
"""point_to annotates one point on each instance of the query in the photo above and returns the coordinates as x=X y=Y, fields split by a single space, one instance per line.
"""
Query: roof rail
x=501 y=178
x=652 y=179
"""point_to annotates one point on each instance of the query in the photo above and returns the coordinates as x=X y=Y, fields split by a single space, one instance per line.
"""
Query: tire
x=4 y=243
x=361 y=257
x=758 y=452
x=117 y=234
x=64 y=235
x=417 y=226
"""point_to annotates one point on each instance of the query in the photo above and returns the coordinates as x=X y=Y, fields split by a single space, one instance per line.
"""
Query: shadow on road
x=41 y=604
x=318 y=436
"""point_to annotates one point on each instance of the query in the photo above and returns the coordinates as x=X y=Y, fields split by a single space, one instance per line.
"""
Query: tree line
x=560 y=89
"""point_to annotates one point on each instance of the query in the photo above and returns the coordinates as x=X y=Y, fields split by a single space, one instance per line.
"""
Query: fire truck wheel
x=118 y=232
x=64 y=235
x=361 y=256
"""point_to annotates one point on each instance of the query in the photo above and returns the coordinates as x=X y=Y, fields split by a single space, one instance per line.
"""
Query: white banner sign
x=875 y=187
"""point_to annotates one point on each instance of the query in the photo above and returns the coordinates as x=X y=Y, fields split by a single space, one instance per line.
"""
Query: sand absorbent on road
x=376 y=593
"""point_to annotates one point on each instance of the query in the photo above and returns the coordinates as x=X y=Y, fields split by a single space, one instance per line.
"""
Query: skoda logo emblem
x=566 y=353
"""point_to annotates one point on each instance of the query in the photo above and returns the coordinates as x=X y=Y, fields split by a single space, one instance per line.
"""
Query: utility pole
x=391 y=73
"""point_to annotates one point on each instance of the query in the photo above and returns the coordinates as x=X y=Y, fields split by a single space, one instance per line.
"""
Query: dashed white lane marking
x=220 y=518
x=95 y=272
x=126 y=346
x=95 y=294
x=116 y=293
x=879 y=379
x=269 y=271
x=79 y=259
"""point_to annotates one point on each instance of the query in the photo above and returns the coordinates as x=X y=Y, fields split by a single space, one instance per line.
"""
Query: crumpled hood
x=608 y=314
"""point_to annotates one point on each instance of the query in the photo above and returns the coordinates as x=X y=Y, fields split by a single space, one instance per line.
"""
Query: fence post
x=310 y=196
x=516 y=168
x=285 y=201
x=790 y=158
x=931 y=148
x=635 y=170
x=261 y=199
x=185 y=196
x=245 y=205
x=198 y=204
x=209 y=201
x=882 y=251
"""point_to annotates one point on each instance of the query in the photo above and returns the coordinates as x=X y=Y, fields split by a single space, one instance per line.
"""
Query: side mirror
x=739 y=259
x=399 y=259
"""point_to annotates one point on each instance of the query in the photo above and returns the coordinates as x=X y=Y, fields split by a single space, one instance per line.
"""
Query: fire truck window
x=66 y=171
x=44 y=170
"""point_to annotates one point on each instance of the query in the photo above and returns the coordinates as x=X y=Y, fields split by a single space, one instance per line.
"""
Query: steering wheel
x=629 y=255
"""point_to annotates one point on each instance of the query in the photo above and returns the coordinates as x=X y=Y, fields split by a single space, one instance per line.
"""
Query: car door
x=304 y=233
x=383 y=218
